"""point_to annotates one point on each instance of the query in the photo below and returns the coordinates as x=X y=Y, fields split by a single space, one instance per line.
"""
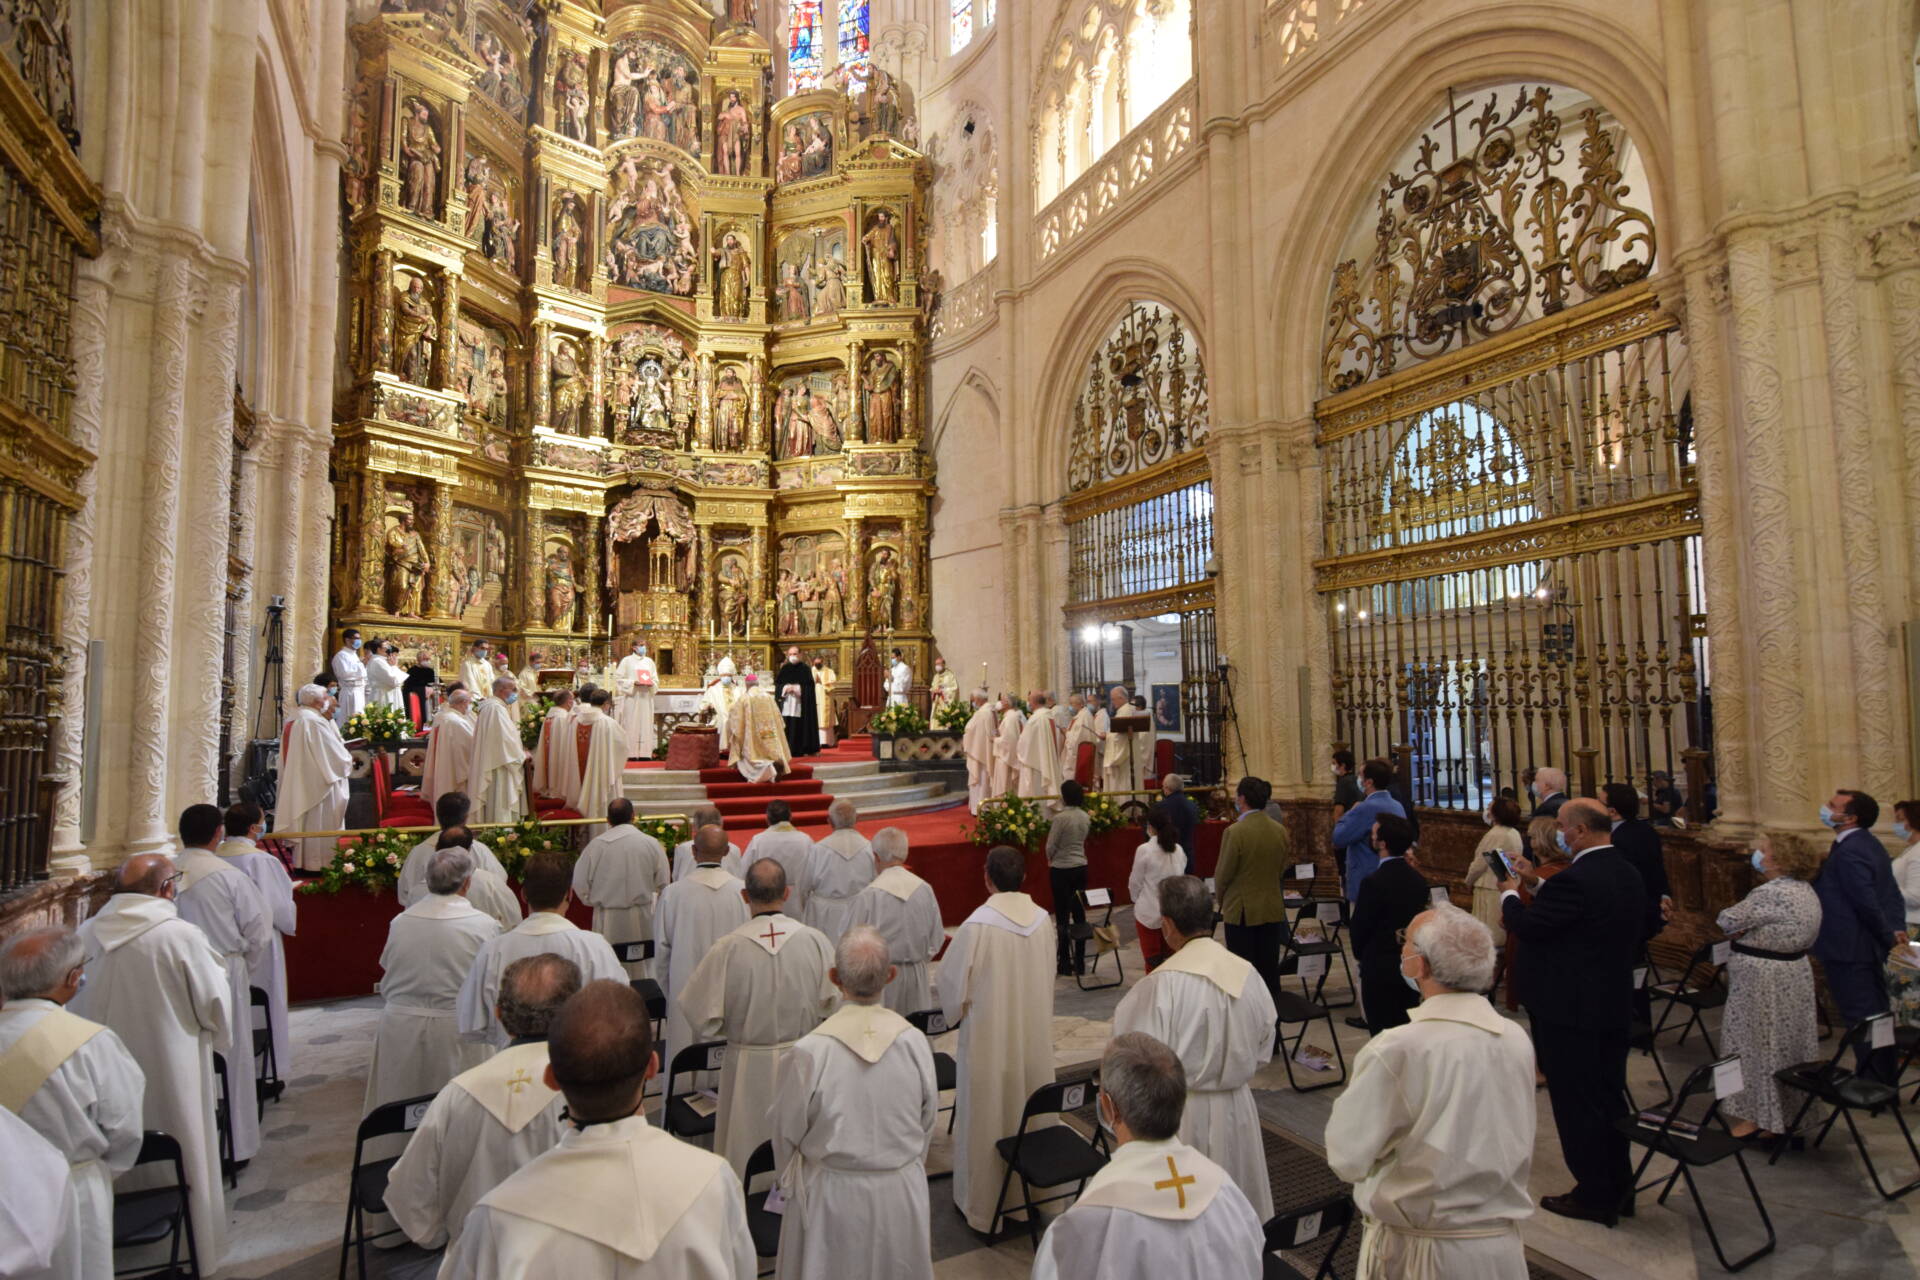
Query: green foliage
x=1104 y=812
x=668 y=831
x=532 y=720
x=1009 y=820
x=371 y=862
x=514 y=845
x=898 y=719
x=379 y=724
x=953 y=715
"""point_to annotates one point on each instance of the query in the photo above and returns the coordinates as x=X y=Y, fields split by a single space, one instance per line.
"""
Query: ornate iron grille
x=1144 y=402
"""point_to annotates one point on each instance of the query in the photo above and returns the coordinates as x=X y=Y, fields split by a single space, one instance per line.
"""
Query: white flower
x=393 y=860
x=347 y=867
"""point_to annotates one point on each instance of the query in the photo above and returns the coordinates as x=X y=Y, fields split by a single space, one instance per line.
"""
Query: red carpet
x=743 y=805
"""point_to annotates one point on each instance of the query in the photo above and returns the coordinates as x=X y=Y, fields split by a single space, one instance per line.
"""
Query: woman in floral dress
x=1770 y=1004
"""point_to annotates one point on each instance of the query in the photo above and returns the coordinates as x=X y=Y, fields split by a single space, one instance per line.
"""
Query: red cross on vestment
x=772 y=936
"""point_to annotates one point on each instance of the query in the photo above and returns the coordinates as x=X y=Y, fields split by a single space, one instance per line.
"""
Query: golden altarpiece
x=632 y=351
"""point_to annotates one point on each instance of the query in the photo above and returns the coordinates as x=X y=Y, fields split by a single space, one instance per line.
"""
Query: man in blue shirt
x=1354 y=832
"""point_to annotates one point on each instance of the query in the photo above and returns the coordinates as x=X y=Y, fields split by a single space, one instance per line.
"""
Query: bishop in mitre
x=854 y=1107
x=757 y=736
x=945 y=685
x=449 y=748
x=1214 y=1011
x=902 y=907
x=477 y=672
x=245 y=824
x=976 y=744
x=1006 y=748
x=722 y=695
x=620 y=875
x=601 y=749
x=499 y=777
x=837 y=868
x=490 y=1120
x=314 y=768
x=556 y=760
x=996 y=984
x=547 y=885
x=694 y=912
x=761 y=988
x=159 y=984
x=634 y=680
x=1039 y=750
x=1159 y=1204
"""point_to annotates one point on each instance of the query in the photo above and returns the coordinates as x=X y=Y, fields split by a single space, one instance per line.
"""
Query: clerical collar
x=517 y=1041
x=566 y=1114
x=775 y=911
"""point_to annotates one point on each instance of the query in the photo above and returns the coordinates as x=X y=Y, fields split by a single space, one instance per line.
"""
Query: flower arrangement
x=668 y=831
x=371 y=862
x=898 y=719
x=532 y=720
x=379 y=724
x=1103 y=812
x=1009 y=820
x=516 y=844
x=952 y=715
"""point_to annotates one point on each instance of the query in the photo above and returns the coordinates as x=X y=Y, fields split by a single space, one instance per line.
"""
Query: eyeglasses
x=1400 y=937
x=173 y=879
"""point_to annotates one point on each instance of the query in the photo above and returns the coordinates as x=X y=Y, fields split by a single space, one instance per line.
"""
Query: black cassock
x=803 y=730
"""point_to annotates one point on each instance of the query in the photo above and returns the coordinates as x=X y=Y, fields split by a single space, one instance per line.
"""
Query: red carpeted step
x=735 y=790
x=708 y=777
x=756 y=806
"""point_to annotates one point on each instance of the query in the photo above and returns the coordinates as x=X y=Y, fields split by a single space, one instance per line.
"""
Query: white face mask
x=1408 y=978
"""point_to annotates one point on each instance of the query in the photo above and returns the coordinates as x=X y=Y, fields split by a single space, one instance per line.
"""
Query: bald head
x=600 y=1051
x=766 y=885
x=889 y=846
x=532 y=989
x=861 y=966
x=148 y=873
x=42 y=964
x=710 y=843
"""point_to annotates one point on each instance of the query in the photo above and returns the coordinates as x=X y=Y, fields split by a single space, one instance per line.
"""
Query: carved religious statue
x=741 y=13
x=829 y=279
x=883 y=259
x=883 y=590
x=733 y=136
x=730 y=412
x=649 y=410
x=479 y=173
x=568 y=392
x=731 y=268
x=407 y=566
x=566 y=242
x=560 y=589
x=571 y=95
x=415 y=331
x=420 y=157
x=883 y=399
x=730 y=589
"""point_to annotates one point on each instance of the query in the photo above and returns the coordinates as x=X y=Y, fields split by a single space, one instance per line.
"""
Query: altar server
x=1214 y=1011
x=635 y=679
x=998 y=977
x=854 y=1106
x=350 y=674
x=761 y=988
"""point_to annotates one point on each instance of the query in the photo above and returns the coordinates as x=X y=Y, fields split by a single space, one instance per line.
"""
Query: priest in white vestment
x=37 y=1203
x=976 y=743
x=620 y=874
x=556 y=758
x=1006 y=748
x=903 y=908
x=899 y=680
x=618 y=1199
x=429 y=952
x=1434 y=1131
x=547 y=885
x=944 y=686
x=314 y=767
x=854 y=1106
x=1125 y=757
x=219 y=898
x=528 y=678
x=1039 y=751
x=787 y=845
x=159 y=984
x=450 y=811
x=732 y=862
x=761 y=988
x=499 y=781
x=1080 y=729
x=602 y=753
x=693 y=913
x=350 y=674
x=996 y=984
x=1214 y=1011
x=245 y=824
x=757 y=736
x=487 y=890
x=449 y=748
x=1159 y=1207
x=823 y=709
x=477 y=672
x=490 y=1120
x=74 y=1082
x=836 y=869
x=384 y=677
x=635 y=680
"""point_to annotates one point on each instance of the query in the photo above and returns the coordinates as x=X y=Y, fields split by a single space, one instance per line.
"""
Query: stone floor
x=288 y=1208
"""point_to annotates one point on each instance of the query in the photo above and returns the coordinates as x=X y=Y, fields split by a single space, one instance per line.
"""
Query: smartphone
x=1498 y=861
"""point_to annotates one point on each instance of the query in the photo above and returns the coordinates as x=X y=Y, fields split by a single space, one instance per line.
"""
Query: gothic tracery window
x=1111 y=66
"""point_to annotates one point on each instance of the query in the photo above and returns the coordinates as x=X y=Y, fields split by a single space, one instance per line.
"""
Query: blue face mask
x=512 y=698
x=1560 y=839
x=355 y=642
x=1408 y=978
x=1757 y=858
x=1903 y=831
x=1826 y=816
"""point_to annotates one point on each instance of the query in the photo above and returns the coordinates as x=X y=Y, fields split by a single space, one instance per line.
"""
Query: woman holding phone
x=1502 y=838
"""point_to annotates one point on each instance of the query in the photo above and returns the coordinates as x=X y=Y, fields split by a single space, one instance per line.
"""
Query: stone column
x=1896 y=250
x=1055 y=570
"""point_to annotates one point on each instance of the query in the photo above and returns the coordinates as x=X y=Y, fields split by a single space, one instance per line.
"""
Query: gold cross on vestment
x=518 y=1081
x=1177 y=1183
x=772 y=936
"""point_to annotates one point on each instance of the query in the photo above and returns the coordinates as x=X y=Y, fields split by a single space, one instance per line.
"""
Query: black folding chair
x=143 y=1218
x=946 y=1072
x=267 y=1083
x=1083 y=933
x=223 y=1121
x=367 y=1184
x=638 y=953
x=1293 y=950
x=678 y=1116
x=1695 y=997
x=1694 y=1145
x=763 y=1226
x=1846 y=1093
x=1297 y=1228
x=1640 y=1036
x=1051 y=1156
x=1289 y=1010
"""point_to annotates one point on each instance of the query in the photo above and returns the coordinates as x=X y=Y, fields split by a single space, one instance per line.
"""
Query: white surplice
x=1428 y=1133
x=270 y=878
x=732 y=861
x=761 y=988
x=1006 y=752
x=384 y=678
x=1213 y=1010
x=37 y=1204
x=791 y=848
x=493 y=896
x=1079 y=730
x=1126 y=757
x=499 y=779
x=87 y=1104
x=837 y=868
x=998 y=977
x=413 y=872
x=603 y=766
x=976 y=742
x=691 y=915
x=429 y=952
x=477 y=674
x=556 y=759
x=220 y=899
x=159 y=983
x=1039 y=755
x=899 y=683
x=854 y=1106
x=635 y=680
x=351 y=675
x=489 y=1122
x=541 y=933
x=449 y=755
x=1157 y=1209
x=619 y=1201
x=314 y=768
x=619 y=874
x=902 y=907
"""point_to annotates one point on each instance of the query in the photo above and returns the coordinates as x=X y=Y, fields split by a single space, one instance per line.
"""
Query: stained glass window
x=960 y=25
x=855 y=50
x=804 y=52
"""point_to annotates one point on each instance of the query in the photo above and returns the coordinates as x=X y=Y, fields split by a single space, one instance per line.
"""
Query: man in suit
x=1182 y=810
x=1583 y=935
x=1353 y=834
x=1254 y=853
x=1862 y=917
x=1389 y=899
x=1639 y=844
x=1549 y=787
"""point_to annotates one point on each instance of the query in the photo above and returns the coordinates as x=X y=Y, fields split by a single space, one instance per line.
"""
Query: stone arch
x=973 y=384
x=275 y=246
